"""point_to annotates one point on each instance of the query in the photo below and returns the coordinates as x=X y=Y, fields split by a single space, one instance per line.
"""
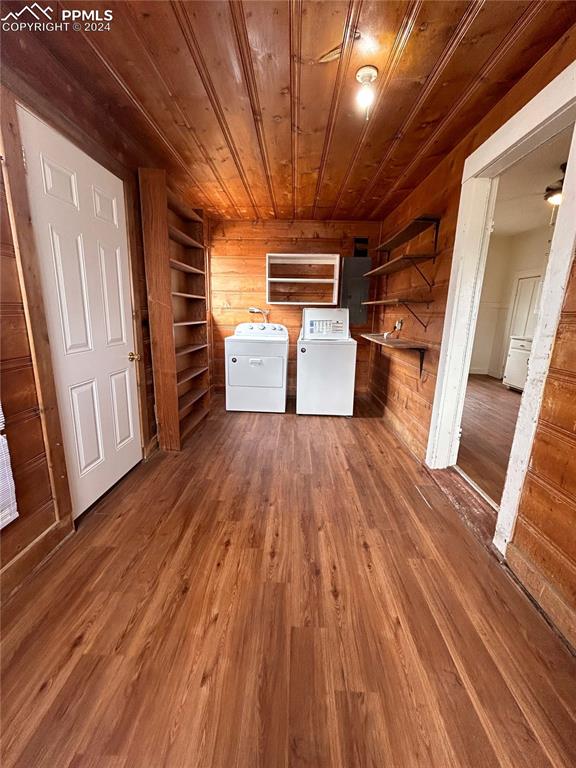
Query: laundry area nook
x=288 y=384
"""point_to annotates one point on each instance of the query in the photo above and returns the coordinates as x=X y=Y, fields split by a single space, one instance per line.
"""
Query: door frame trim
x=552 y=110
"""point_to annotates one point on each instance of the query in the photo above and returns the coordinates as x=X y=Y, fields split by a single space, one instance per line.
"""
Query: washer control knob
x=251 y=327
x=262 y=327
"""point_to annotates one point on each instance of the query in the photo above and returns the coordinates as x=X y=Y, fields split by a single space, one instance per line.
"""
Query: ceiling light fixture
x=553 y=193
x=366 y=95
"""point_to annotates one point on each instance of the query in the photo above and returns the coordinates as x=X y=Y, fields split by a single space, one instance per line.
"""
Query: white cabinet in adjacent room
x=516 y=369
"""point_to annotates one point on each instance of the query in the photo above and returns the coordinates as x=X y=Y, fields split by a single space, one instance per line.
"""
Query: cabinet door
x=516 y=368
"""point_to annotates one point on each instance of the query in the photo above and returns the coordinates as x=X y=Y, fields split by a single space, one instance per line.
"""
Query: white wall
x=507 y=257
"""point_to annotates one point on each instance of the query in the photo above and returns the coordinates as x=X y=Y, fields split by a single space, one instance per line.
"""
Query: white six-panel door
x=79 y=225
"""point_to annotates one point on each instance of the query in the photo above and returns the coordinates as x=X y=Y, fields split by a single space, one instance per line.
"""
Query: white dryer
x=256 y=361
x=326 y=364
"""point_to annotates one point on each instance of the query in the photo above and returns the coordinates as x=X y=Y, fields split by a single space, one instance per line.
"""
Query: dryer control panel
x=261 y=331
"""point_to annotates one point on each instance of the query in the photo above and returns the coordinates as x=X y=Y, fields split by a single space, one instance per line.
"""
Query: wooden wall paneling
x=543 y=548
x=439 y=195
x=154 y=203
x=238 y=277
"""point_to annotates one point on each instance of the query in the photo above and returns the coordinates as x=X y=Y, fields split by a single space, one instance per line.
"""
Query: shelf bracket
x=424 y=325
x=422 y=275
x=421 y=353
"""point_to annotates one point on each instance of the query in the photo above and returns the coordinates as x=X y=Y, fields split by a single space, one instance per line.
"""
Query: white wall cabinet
x=310 y=279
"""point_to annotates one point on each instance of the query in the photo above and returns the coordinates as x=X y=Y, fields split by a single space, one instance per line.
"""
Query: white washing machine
x=256 y=366
x=326 y=363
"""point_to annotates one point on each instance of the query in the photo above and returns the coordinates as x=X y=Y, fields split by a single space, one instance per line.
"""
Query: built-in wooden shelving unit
x=302 y=279
x=178 y=309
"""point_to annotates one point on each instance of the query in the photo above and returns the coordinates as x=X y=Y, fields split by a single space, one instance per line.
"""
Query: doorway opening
x=508 y=312
x=547 y=115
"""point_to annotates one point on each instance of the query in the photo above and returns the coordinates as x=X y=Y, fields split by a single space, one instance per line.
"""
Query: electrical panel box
x=355 y=288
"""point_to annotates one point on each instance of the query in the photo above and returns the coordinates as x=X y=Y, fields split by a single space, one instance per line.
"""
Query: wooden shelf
x=173 y=234
x=417 y=346
x=181 y=237
x=401 y=262
x=189 y=348
x=378 y=338
x=189 y=322
x=182 y=209
x=301 y=280
x=191 y=421
x=188 y=400
x=404 y=303
x=188 y=295
x=411 y=230
x=179 y=265
x=190 y=373
x=395 y=302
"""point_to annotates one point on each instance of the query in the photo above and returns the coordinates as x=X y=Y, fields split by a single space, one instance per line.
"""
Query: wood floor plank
x=284 y=592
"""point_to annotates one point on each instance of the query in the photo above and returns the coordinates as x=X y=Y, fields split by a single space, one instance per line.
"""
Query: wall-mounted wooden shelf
x=404 y=303
x=394 y=302
x=409 y=232
x=417 y=346
x=301 y=280
x=178 y=302
x=401 y=262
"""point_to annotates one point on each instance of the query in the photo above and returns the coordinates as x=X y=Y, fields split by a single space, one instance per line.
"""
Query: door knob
x=133 y=356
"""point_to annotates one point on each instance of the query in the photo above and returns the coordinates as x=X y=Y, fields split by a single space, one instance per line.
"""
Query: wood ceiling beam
x=174 y=98
x=241 y=32
x=193 y=46
x=295 y=80
x=352 y=18
x=135 y=102
x=400 y=43
x=496 y=57
x=445 y=58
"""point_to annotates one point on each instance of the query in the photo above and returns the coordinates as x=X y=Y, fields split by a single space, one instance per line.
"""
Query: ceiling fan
x=334 y=53
x=553 y=193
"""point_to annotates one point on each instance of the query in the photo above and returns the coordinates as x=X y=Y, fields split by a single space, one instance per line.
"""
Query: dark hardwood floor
x=488 y=424
x=287 y=591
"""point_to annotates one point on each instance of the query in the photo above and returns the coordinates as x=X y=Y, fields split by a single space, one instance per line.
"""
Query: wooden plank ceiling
x=250 y=124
